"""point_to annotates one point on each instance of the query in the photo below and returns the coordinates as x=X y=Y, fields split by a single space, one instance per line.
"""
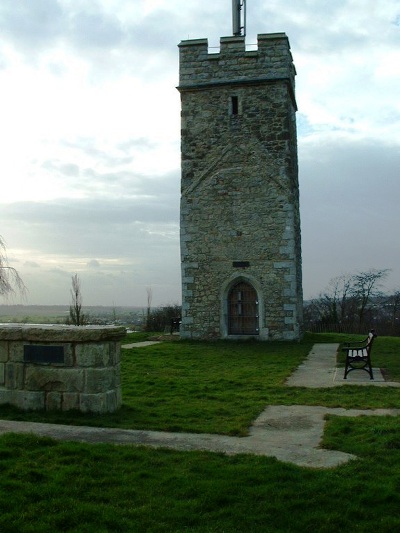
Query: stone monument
x=61 y=368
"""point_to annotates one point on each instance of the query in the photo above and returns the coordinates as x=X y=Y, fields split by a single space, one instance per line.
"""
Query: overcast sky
x=90 y=139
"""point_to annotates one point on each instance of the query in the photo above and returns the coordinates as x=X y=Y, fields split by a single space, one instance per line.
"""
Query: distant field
x=56 y=314
x=33 y=313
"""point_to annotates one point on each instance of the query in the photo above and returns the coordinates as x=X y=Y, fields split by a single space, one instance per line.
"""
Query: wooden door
x=243 y=310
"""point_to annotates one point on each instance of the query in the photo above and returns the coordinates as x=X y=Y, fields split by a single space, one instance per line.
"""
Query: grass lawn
x=208 y=387
x=221 y=387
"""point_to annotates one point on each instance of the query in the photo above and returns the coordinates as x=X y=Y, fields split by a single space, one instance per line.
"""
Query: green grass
x=52 y=487
x=219 y=387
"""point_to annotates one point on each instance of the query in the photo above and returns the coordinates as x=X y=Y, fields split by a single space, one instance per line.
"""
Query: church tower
x=240 y=222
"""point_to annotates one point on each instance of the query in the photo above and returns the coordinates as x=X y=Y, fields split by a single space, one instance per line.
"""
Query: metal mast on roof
x=239 y=17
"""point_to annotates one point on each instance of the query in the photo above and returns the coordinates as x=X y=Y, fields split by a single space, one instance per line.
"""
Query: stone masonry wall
x=60 y=367
x=240 y=192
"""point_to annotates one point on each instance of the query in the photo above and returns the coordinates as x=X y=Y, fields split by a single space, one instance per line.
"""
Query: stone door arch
x=243 y=314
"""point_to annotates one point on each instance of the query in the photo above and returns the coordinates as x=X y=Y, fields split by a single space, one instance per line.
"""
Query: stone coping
x=60 y=333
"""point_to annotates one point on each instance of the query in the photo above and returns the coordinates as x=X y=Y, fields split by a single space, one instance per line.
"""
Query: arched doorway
x=243 y=310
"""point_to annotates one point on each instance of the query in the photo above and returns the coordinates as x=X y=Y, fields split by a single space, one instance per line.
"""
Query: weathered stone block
x=115 y=352
x=70 y=401
x=14 y=375
x=16 y=351
x=5 y=396
x=53 y=401
x=2 y=373
x=39 y=377
x=93 y=354
x=113 y=401
x=93 y=403
x=117 y=374
x=3 y=351
x=28 y=401
x=118 y=392
x=99 y=380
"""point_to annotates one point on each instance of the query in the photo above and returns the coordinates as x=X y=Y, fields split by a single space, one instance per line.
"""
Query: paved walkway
x=319 y=371
x=139 y=344
x=288 y=433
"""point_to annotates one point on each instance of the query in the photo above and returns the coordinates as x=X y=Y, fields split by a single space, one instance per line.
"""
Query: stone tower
x=240 y=222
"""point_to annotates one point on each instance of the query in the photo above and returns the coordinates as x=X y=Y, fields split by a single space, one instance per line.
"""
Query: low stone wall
x=53 y=367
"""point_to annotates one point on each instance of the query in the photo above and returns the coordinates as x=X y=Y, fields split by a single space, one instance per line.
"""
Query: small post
x=239 y=17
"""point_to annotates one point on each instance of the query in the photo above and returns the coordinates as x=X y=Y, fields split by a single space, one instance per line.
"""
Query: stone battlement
x=271 y=61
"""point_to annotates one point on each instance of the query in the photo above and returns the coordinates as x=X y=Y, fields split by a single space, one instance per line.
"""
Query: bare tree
x=394 y=306
x=10 y=281
x=76 y=315
x=114 y=313
x=343 y=285
x=334 y=305
x=149 y=292
x=366 y=285
x=351 y=300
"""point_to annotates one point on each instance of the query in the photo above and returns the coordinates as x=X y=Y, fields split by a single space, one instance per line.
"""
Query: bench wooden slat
x=358 y=355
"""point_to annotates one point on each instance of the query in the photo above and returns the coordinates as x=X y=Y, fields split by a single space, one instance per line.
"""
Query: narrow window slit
x=235 y=105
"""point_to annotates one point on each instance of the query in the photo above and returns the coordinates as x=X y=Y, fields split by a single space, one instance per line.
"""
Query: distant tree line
x=355 y=303
x=163 y=318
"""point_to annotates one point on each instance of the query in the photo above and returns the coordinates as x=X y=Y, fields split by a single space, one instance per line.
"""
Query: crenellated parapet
x=271 y=61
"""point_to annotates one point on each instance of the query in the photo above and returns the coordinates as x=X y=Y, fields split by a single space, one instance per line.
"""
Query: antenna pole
x=239 y=17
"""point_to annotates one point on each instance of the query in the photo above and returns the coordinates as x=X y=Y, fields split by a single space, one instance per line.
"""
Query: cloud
x=93 y=263
x=31 y=25
x=95 y=30
x=90 y=226
x=90 y=138
x=110 y=39
x=349 y=191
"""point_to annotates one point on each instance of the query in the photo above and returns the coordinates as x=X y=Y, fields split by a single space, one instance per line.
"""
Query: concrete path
x=139 y=344
x=319 y=371
x=288 y=433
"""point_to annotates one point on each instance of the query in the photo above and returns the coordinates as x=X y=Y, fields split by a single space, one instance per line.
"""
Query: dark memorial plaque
x=38 y=353
x=241 y=264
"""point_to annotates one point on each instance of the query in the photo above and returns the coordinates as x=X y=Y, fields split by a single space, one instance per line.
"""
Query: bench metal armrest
x=356 y=343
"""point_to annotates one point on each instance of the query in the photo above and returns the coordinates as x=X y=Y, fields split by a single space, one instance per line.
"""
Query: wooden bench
x=175 y=324
x=358 y=355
